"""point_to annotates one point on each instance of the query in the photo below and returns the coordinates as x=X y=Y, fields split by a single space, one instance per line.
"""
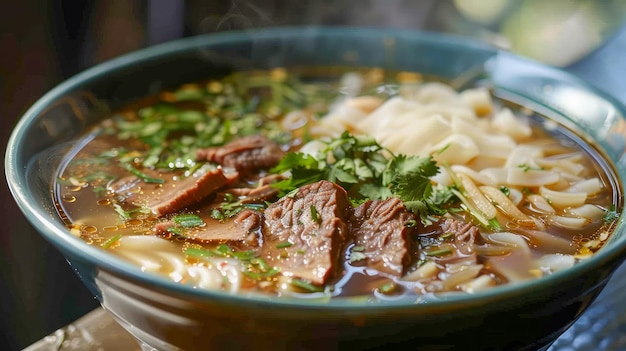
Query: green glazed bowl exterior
x=170 y=316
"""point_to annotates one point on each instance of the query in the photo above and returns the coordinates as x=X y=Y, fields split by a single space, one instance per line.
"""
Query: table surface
x=601 y=327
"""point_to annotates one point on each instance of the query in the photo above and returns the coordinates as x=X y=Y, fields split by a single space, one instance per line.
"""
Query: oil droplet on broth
x=134 y=222
x=68 y=198
x=110 y=228
x=89 y=229
x=104 y=202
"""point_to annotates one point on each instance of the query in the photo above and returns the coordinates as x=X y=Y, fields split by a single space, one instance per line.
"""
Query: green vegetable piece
x=314 y=215
x=112 y=240
x=388 y=288
x=283 y=245
x=188 y=220
x=444 y=251
x=139 y=174
x=303 y=284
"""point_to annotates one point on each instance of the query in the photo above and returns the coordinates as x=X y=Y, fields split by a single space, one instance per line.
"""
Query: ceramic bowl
x=168 y=316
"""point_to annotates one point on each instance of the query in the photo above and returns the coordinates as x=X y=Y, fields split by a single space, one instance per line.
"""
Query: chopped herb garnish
x=175 y=230
x=411 y=223
x=505 y=190
x=121 y=212
x=610 y=215
x=360 y=163
x=388 y=288
x=188 y=220
x=439 y=252
x=141 y=175
x=217 y=214
x=283 y=245
x=314 y=216
x=446 y=235
x=356 y=253
x=221 y=250
x=112 y=240
x=262 y=275
x=356 y=256
x=525 y=167
x=195 y=252
x=303 y=284
x=263 y=266
x=259 y=269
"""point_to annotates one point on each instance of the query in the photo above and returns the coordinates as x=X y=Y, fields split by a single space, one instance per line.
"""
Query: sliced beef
x=382 y=229
x=241 y=228
x=247 y=155
x=174 y=194
x=262 y=192
x=464 y=234
x=303 y=234
x=178 y=195
x=461 y=237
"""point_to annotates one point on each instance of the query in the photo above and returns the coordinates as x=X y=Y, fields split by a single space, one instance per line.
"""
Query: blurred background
x=45 y=42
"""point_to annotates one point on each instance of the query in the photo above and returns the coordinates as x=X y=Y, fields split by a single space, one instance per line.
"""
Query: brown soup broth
x=262 y=102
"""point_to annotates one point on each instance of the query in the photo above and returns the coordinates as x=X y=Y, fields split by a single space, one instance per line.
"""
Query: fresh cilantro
x=610 y=215
x=505 y=190
x=369 y=171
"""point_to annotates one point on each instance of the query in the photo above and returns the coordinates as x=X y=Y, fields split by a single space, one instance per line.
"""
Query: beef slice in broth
x=382 y=229
x=303 y=234
x=248 y=154
x=174 y=194
x=242 y=228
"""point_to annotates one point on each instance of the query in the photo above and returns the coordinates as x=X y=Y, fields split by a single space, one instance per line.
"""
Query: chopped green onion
x=112 y=240
x=446 y=235
x=388 y=288
x=195 y=252
x=303 y=284
x=439 y=252
x=262 y=275
x=411 y=223
x=175 y=230
x=259 y=262
x=217 y=214
x=505 y=190
x=283 y=245
x=221 y=251
x=188 y=220
x=139 y=174
x=314 y=216
x=120 y=211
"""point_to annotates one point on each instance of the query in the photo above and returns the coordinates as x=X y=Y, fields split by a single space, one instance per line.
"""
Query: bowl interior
x=47 y=130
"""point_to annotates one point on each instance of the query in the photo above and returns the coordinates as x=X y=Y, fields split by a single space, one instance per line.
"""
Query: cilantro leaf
x=369 y=171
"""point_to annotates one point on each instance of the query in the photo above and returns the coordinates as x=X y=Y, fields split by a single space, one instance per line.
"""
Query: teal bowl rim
x=58 y=235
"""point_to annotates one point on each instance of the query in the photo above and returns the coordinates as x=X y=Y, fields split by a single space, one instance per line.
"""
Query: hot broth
x=323 y=183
